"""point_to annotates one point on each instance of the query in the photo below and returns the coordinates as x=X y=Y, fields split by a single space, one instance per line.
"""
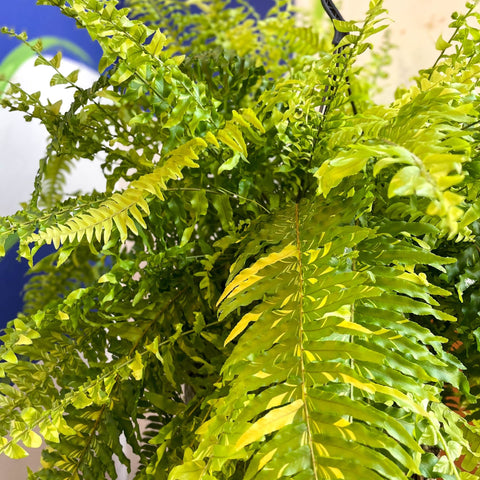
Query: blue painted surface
x=12 y=277
x=37 y=21
x=13 y=274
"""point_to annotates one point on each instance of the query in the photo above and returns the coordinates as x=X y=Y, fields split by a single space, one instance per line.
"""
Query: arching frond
x=324 y=344
x=121 y=209
x=428 y=165
x=287 y=308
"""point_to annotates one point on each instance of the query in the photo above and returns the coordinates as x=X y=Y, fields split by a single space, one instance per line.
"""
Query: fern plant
x=285 y=287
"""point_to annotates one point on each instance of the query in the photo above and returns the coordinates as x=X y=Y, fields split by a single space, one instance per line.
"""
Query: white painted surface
x=415 y=27
x=22 y=144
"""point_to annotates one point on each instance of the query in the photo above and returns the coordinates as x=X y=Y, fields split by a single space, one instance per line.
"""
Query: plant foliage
x=283 y=287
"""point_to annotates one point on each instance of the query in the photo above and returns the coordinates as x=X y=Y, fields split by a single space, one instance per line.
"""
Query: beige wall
x=415 y=26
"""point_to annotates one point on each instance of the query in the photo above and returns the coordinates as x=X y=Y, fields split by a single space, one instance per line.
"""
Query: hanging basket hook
x=334 y=14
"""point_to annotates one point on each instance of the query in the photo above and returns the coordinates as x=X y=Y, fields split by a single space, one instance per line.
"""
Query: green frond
x=123 y=209
x=77 y=416
x=429 y=165
x=54 y=178
x=324 y=344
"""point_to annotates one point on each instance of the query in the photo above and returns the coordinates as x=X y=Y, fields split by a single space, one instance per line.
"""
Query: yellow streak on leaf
x=336 y=472
x=313 y=255
x=286 y=300
x=309 y=356
x=343 y=422
x=248 y=277
x=276 y=400
x=326 y=248
x=271 y=422
x=366 y=387
x=242 y=325
x=353 y=326
x=276 y=322
x=395 y=394
x=323 y=302
x=321 y=450
x=266 y=458
x=326 y=270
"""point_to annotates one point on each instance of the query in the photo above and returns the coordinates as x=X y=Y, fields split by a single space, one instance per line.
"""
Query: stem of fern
x=452 y=37
x=351 y=361
x=447 y=454
x=300 y=336
x=350 y=340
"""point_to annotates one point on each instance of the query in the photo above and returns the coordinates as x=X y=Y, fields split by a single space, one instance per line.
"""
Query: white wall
x=415 y=27
x=23 y=144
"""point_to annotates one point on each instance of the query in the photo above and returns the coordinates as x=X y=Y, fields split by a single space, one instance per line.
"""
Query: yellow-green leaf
x=10 y=357
x=441 y=44
x=249 y=115
x=23 y=340
x=271 y=422
x=136 y=366
x=242 y=325
x=49 y=432
x=81 y=400
x=157 y=43
x=15 y=451
x=248 y=276
x=32 y=440
x=57 y=60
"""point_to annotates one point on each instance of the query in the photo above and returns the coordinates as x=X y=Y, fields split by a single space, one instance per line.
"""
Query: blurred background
x=415 y=26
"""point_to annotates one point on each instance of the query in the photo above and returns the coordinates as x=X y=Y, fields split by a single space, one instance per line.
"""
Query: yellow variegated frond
x=286 y=285
x=319 y=351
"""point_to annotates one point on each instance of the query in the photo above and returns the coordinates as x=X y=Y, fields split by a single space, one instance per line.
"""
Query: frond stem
x=89 y=441
x=300 y=339
x=220 y=191
x=452 y=37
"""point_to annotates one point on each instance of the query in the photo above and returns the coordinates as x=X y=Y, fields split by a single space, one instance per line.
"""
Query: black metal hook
x=334 y=14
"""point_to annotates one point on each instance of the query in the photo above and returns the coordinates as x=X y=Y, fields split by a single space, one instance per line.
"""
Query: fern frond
x=324 y=344
x=427 y=165
x=77 y=416
x=54 y=178
x=462 y=38
x=315 y=341
x=121 y=209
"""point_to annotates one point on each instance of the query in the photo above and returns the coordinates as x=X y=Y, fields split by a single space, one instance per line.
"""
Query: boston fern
x=283 y=284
